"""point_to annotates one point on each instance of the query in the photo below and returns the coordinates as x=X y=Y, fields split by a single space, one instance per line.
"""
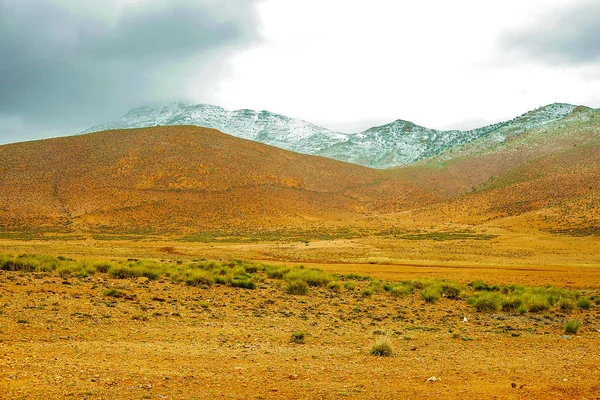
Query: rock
x=293 y=377
x=513 y=385
x=434 y=379
x=414 y=348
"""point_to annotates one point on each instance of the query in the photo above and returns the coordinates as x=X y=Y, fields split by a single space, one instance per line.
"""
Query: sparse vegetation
x=297 y=287
x=382 y=348
x=583 y=304
x=572 y=326
x=431 y=293
x=486 y=302
x=298 y=337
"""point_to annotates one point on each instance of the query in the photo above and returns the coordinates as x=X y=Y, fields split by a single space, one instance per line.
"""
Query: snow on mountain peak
x=397 y=143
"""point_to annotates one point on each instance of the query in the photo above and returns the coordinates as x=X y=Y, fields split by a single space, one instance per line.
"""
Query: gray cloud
x=570 y=37
x=67 y=68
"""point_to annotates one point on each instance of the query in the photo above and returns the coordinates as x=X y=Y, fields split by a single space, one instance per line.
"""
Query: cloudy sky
x=66 y=65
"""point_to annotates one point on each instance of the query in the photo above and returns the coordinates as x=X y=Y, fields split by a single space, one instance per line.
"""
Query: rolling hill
x=178 y=179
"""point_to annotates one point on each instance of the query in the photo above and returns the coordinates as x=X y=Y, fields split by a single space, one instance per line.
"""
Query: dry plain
x=63 y=337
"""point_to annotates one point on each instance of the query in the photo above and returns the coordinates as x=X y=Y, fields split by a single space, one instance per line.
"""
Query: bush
x=451 y=290
x=431 y=294
x=537 y=303
x=583 y=304
x=566 y=305
x=298 y=337
x=297 y=287
x=350 y=285
x=382 y=348
x=487 y=302
x=401 y=290
x=313 y=277
x=198 y=278
x=335 y=286
x=512 y=303
x=113 y=293
x=480 y=286
x=572 y=326
x=366 y=292
x=243 y=283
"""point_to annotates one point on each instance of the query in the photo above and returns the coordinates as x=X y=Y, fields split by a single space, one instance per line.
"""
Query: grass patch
x=298 y=337
x=572 y=326
x=487 y=302
x=583 y=304
x=431 y=294
x=297 y=288
x=382 y=348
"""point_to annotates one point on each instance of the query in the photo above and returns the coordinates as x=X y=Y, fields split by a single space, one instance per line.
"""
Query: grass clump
x=382 y=348
x=480 y=286
x=112 y=292
x=583 y=304
x=487 y=302
x=431 y=294
x=511 y=304
x=368 y=292
x=298 y=337
x=335 y=286
x=401 y=290
x=537 y=303
x=297 y=287
x=566 y=305
x=451 y=290
x=313 y=277
x=572 y=326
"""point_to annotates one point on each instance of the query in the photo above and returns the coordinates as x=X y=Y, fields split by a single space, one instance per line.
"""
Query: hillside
x=545 y=178
x=177 y=179
x=395 y=144
x=186 y=180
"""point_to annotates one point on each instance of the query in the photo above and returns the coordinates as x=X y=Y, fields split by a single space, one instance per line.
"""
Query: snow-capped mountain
x=261 y=126
x=398 y=143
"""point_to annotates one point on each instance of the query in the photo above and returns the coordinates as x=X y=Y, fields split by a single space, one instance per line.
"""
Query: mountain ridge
x=395 y=144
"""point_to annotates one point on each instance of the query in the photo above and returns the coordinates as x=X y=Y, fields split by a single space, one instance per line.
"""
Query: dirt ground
x=66 y=339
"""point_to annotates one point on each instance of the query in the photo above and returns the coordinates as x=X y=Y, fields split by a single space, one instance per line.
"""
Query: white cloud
x=346 y=64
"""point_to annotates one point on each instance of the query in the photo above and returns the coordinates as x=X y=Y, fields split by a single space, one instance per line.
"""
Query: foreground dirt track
x=67 y=339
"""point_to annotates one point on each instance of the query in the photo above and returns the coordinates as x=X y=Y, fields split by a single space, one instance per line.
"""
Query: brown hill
x=180 y=179
x=188 y=179
x=548 y=177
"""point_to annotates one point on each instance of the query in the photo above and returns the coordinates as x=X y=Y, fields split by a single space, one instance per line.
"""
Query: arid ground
x=64 y=337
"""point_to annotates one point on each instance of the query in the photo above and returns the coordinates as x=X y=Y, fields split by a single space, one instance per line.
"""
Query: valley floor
x=64 y=338
x=67 y=340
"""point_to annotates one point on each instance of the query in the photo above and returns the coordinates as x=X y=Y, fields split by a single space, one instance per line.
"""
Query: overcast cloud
x=569 y=38
x=67 y=65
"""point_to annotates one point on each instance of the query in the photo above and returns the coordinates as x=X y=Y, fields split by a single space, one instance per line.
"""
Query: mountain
x=260 y=126
x=544 y=177
x=538 y=171
x=179 y=179
x=395 y=144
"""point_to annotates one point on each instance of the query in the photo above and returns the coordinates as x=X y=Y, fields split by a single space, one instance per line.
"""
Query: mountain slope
x=177 y=179
x=546 y=177
x=395 y=144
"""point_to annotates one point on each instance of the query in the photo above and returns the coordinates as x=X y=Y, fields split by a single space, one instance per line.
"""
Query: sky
x=67 y=65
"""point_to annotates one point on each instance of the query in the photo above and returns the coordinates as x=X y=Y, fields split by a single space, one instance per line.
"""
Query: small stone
x=514 y=385
x=414 y=348
x=293 y=377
